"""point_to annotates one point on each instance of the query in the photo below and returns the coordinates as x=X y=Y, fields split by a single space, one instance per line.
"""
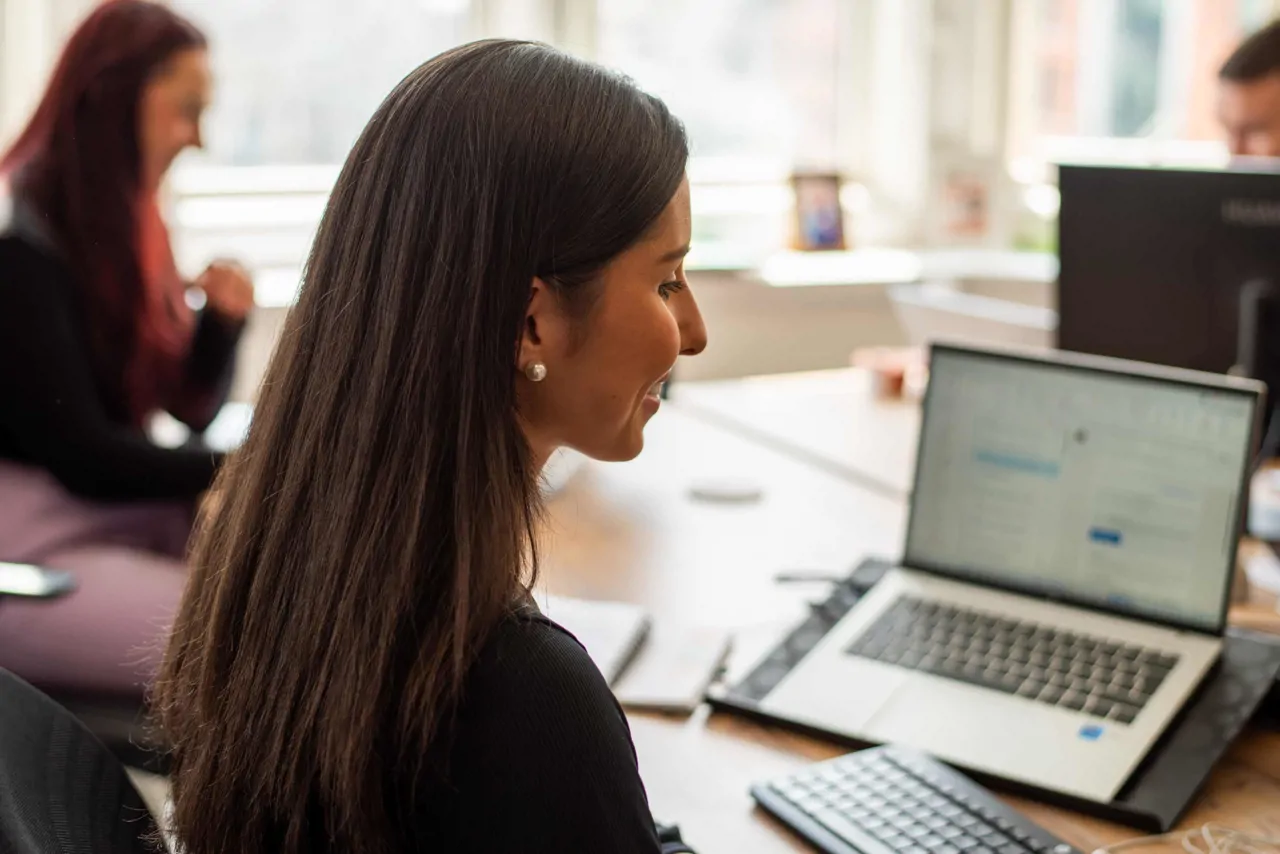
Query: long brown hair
x=78 y=165
x=379 y=519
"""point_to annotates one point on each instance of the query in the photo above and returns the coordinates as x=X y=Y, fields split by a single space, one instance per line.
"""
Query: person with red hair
x=96 y=336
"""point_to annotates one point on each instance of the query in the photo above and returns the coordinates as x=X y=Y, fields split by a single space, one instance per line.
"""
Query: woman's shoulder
x=534 y=689
x=541 y=758
x=535 y=658
x=33 y=280
x=24 y=240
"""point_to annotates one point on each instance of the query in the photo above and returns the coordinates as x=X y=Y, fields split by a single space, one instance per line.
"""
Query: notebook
x=662 y=666
x=674 y=668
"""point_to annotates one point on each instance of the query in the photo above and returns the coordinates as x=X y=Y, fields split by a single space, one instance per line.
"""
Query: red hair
x=78 y=165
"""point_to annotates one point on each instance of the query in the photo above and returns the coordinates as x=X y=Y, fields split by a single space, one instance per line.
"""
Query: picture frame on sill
x=819 y=216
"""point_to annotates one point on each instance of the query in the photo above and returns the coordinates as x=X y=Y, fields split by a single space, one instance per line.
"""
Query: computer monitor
x=1158 y=265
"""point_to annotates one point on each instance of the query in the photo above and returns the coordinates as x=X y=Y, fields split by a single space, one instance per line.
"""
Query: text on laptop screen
x=1092 y=487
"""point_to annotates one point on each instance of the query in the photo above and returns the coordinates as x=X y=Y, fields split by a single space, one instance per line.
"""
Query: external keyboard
x=1074 y=671
x=893 y=799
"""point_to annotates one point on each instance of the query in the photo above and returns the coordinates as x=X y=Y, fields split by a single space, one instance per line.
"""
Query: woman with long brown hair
x=357 y=665
x=96 y=336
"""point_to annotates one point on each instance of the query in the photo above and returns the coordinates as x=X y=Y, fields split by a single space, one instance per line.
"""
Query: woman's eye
x=666 y=289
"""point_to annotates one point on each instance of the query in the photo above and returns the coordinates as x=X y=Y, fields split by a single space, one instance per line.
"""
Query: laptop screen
x=1113 y=489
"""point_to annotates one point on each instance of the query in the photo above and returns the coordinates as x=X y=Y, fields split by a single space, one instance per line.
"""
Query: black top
x=52 y=412
x=541 y=758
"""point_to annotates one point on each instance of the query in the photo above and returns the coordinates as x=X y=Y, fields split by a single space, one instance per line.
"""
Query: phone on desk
x=22 y=579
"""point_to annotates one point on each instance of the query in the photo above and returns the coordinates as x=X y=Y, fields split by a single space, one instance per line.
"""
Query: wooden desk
x=827 y=418
x=632 y=532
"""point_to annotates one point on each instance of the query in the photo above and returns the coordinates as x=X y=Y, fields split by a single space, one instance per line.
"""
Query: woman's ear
x=546 y=328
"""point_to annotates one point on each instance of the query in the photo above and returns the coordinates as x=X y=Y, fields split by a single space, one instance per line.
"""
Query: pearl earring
x=536 y=372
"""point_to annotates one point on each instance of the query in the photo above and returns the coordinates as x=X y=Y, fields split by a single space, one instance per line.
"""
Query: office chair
x=119 y=722
x=61 y=790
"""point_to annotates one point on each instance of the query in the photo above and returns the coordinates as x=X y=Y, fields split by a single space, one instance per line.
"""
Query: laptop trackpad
x=987 y=731
x=835 y=691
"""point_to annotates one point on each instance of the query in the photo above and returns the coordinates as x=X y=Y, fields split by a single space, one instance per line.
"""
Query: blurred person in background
x=96 y=337
x=1249 y=95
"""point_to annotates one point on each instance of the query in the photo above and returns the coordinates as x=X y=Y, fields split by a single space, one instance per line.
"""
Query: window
x=298 y=79
x=752 y=79
x=31 y=34
x=1121 y=79
x=757 y=84
x=755 y=81
x=295 y=82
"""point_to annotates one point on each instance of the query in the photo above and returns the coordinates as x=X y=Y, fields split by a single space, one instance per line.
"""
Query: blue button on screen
x=1105 y=536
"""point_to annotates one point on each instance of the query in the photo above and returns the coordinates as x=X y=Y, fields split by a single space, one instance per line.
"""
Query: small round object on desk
x=726 y=490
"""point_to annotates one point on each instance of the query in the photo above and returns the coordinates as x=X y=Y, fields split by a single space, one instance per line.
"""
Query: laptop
x=1065 y=581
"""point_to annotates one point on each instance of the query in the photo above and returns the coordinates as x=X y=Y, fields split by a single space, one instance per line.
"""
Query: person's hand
x=228 y=290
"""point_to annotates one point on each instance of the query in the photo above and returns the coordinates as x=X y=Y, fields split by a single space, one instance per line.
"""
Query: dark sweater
x=541 y=759
x=53 y=414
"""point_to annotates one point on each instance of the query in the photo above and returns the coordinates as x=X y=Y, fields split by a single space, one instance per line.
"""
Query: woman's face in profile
x=169 y=113
x=604 y=369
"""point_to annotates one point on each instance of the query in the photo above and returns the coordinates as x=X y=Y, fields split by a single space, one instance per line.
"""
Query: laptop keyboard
x=1107 y=680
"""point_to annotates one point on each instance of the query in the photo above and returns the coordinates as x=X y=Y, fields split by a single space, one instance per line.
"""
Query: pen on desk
x=806 y=577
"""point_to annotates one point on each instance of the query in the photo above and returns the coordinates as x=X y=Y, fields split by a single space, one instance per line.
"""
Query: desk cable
x=1209 y=838
x=818 y=606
